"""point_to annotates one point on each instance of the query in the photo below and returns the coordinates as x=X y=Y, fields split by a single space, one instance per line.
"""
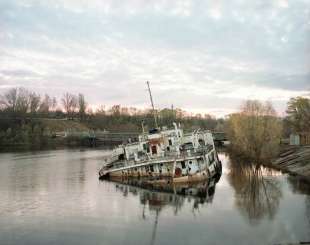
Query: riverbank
x=294 y=160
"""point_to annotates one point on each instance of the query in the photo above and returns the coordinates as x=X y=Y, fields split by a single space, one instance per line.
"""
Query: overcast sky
x=205 y=56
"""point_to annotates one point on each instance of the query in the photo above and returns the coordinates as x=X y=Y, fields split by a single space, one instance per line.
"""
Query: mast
x=154 y=112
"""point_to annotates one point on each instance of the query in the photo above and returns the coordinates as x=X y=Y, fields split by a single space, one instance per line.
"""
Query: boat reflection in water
x=157 y=195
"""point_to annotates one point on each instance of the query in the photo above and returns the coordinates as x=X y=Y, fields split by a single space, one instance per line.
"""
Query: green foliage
x=298 y=111
x=27 y=135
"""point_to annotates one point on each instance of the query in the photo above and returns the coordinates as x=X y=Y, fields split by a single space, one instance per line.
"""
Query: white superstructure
x=165 y=155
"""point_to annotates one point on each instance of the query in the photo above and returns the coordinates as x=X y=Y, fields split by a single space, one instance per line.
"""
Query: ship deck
x=168 y=158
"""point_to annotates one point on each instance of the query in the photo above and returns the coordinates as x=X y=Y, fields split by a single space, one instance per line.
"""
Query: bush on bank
x=255 y=131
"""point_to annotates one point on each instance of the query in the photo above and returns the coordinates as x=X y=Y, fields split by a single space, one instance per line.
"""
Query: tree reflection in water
x=302 y=187
x=308 y=209
x=257 y=192
x=299 y=185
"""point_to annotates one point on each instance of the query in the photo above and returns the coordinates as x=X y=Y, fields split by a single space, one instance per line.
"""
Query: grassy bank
x=29 y=132
x=40 y=134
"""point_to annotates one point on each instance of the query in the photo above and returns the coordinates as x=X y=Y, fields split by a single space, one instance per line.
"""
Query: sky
x=203 y=56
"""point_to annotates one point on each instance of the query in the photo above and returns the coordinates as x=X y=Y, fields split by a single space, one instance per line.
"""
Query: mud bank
x=295 y=160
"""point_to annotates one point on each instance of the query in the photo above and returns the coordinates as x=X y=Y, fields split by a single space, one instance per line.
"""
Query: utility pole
x=154 y=112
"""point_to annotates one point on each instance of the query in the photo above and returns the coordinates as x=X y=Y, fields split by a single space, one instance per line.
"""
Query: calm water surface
x=55 y=197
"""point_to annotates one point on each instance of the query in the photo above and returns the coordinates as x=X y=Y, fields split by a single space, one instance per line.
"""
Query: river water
x=55 y=197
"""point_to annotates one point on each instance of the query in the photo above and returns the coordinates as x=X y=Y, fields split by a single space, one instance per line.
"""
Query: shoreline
x=294 y=160
x=31 y=148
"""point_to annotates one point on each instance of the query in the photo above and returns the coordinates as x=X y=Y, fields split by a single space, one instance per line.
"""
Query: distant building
x=302 y=138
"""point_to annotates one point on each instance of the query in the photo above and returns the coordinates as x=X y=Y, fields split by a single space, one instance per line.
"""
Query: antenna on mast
x=154 y=112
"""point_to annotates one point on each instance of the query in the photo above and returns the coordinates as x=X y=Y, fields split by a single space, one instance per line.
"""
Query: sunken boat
x=165 y=155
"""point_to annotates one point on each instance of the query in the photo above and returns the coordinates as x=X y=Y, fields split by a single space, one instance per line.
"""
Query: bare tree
x=101 y=110
x=54 y=104
x=46 y=104
x=82 y=106
x=34 y=102
x=16 y=100
x=74 y=105
x=8 y=101
x=22 y=102
x=69 y=102
x=116 y=110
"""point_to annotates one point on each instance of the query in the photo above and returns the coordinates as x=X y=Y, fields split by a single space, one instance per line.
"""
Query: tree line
x=256 y=131
x=24 y=115
x=21 y=102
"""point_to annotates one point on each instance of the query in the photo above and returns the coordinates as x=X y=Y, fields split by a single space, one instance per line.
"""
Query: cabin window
x=200 y=161
x=146 y=147
x=190 y=162
x=154 y=149
x=170 y=142
x=183 y=164
x=121 y=157
x=211 y=157
x=187 y=146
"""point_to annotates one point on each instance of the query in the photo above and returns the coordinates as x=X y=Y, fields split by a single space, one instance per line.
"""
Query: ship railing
x=171 y=154
x=167 y=155
x=205 y=149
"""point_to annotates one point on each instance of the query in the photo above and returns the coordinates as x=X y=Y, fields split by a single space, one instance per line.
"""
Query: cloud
x=206 y=56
